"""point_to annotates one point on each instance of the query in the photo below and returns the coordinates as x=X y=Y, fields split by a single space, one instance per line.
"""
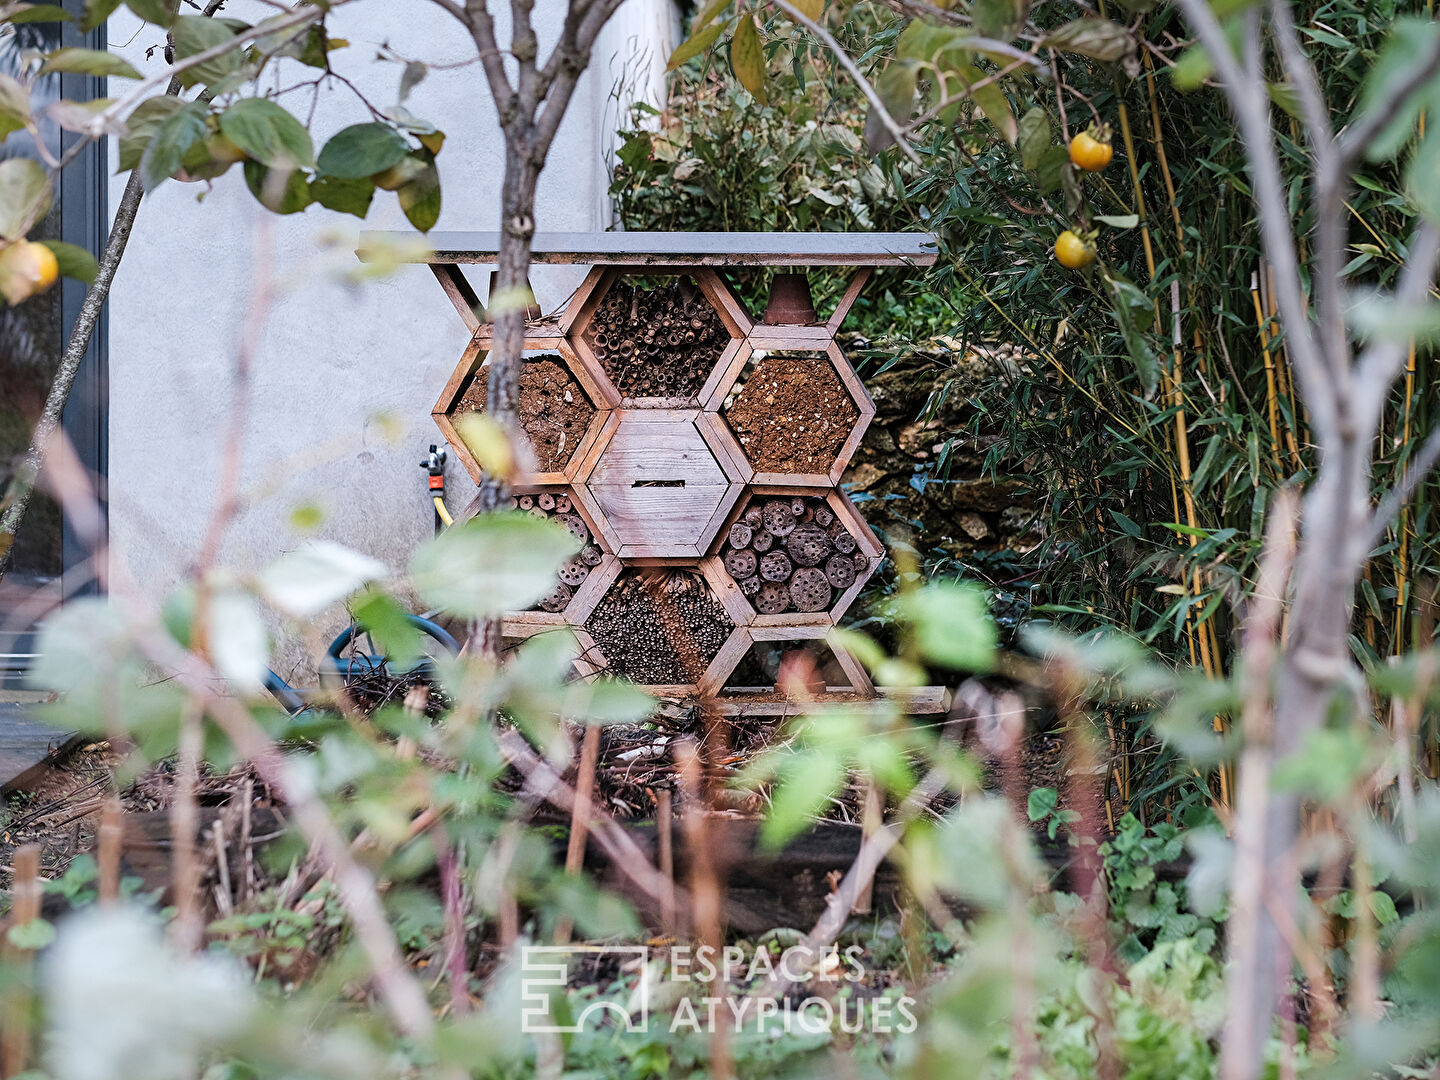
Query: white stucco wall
x=331 y=356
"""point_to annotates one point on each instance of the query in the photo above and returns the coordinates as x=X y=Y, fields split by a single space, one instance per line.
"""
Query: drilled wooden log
x=750 y=586
x=797 y=506
x=741 y=535
x=762 y=541
x=562 y=504
x=576 y=524
x=753 y=517
x=772 y=599
x=823 y=516
x=545 y=501
x=573 y=571
x=840 y=569
x=591 y=555
x=844 y=542
x=810 y=589
x=557 y=598
x=740 y=562
x=526 y=502
x=808 y=545
x=775 y=566
x=778 y=518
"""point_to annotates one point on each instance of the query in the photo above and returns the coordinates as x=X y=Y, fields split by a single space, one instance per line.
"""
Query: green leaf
x=75 y=261
x=194 y=34
x=388 y=623
x=992 y=101
x=281 y=191
x=1033 y=137
x=805 y=786
x=1422 y=178
x=173 y=139
x=32 y=935
x=420 y=198
x=236 y=638
x=896 y=89
x=694 y=45
x=1000 y=19
x=1119 y=221
x=1383 y=908
x=362 y=150
x=927 y=42
x=344 y=196
x=159 y=12
x=14 y=106
x=1285 y=97
x=88 y=62
x=950 y=625
x=40 y=13
x=1041 y=802
x=25 y=193
x=491 y=564
x=1409 y=41
x=747 y=58
x=1053 y=164
x=268 y=133
x=1099 y=39
x=1192 y=68
x=306 y=581
x=141 y=126
x=707 y=15
x=96 y=12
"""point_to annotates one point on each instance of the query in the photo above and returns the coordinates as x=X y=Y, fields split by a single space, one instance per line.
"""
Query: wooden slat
x=457 y=288
x=682 y=249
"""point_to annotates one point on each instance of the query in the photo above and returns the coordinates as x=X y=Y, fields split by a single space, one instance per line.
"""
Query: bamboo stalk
x=1272 y=406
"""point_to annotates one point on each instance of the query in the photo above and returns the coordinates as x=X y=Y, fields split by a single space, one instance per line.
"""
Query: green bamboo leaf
x=707 y=15
x=694 y=45
x=747 y=58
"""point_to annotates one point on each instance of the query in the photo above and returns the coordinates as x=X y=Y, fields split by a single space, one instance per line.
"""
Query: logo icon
x=546 y=969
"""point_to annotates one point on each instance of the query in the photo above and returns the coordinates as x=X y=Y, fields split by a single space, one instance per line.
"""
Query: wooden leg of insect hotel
x=580 y=818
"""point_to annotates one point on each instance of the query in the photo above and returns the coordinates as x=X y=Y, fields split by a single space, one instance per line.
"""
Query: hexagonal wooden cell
x=561 y=407
x=659 y=482
x=656 y=344
x=661 y=627
x=750 y=670
x=770 y=578
x=581 y=581
x=798 y=415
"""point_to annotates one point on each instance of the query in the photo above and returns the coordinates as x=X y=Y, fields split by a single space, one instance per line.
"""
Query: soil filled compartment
x=573 y=572
x=791 y=553
x=659 y=342
x=555 y=411
x=792 y=414
x=659 y=627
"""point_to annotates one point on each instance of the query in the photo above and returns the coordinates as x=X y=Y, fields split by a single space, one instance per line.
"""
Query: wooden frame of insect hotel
x=694 y=447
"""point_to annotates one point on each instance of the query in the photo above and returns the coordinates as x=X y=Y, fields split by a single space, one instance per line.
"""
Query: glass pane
x=30 y=346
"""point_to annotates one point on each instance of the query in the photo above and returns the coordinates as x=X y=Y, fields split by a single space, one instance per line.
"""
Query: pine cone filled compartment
x=662 y=627
x=794 y=557
x=798 y=415
x=661 y=340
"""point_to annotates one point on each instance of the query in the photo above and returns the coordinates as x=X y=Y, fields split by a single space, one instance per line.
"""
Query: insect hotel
x=695 y=448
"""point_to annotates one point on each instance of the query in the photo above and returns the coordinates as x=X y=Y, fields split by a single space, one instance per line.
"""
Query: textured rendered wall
x=329 y=357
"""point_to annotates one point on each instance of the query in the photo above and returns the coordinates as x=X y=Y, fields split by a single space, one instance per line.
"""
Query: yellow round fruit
x=47 y=267
x=1090 y=153
x=1073 y=252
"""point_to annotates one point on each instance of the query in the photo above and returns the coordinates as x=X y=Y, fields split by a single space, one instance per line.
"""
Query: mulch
x=792 y=414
